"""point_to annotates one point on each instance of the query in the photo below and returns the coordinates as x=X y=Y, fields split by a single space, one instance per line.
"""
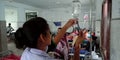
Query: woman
x=35 y=37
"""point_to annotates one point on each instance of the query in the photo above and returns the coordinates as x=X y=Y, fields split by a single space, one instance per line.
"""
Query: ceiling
x=52 y=3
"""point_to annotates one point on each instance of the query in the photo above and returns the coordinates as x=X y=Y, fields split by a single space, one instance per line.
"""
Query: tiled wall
x=115 y=40
x=3 y=37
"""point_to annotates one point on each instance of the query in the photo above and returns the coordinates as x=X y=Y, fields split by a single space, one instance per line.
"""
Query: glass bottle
x=76 y=8
x=75 y=13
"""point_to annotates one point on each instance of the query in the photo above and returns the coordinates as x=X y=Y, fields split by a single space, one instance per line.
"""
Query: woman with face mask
x=34 y=37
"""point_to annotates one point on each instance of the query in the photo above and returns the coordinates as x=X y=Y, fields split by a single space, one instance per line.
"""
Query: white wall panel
x=115 y=40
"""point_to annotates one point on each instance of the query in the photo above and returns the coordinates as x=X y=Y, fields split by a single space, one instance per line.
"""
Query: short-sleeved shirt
x=35 y=54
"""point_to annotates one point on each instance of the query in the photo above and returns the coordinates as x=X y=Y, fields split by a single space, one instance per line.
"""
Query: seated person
x=62 y=47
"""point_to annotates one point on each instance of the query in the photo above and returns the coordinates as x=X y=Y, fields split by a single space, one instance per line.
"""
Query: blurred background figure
x=9 y=29
x=10 y=33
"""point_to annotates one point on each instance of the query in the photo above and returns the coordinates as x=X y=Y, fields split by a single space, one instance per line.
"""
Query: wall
x=115 y=31
x=3 y=39
x=56 y=14
x=53 y=15
x=98 y=9
x=115 y=42
x=63 y=15
x=11 y=17
x=116 y=9
x=20 y=9
x=115 y=28
x=2 y=14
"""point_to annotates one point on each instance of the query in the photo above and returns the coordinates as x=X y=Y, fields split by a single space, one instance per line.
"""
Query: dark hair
x=28 y=35
x=59 y=28
x=9 y=24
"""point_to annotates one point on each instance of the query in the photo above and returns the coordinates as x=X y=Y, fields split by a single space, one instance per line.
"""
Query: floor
x=11 y=46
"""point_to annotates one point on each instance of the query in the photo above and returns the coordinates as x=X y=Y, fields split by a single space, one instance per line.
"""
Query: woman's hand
x=61 y=33
x=70 y=23
x=77 y=47
x=81 y=37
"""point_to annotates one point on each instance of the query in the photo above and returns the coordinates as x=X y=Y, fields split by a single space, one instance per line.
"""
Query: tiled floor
x=11 y=46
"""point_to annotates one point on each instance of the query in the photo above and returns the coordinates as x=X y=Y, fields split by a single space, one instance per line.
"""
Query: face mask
x=88 y=35
x=46 y=48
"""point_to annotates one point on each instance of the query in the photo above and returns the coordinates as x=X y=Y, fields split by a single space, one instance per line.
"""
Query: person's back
x=35 y=38
x=62 y=47
x=9 y=29
x=29 y=53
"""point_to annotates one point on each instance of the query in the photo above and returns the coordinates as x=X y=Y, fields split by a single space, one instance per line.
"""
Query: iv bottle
x=76 y=8
x=75 y=13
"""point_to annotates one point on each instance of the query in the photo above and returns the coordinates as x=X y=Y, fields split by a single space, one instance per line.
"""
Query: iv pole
x=90 y=28
x=105 y=28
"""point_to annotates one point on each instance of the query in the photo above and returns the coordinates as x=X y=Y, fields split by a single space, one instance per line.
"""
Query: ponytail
x=28 y=34
x=20 y=39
